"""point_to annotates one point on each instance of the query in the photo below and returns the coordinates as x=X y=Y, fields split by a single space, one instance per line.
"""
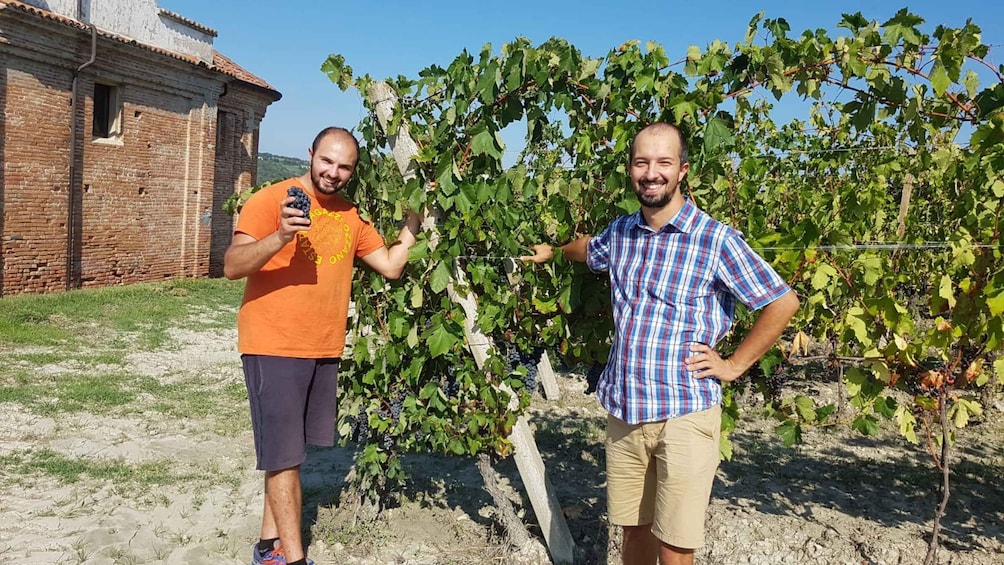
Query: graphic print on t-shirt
x=329 y=239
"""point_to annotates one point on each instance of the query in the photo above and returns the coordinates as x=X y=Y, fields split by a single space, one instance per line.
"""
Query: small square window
x=107 y=117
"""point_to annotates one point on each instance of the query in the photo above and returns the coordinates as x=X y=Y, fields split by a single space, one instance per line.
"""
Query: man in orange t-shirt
x=291 y=324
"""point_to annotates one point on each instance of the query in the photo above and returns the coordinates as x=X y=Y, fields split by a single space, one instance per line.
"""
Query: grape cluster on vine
x=451 y=385
x=529 y=361
x=775 y=381
x=593 y=375
x=359 y=426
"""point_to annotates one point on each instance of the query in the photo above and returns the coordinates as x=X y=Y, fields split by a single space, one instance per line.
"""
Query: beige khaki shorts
x=660 y=473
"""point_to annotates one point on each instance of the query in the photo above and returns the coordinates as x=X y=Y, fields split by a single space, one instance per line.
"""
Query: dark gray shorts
x=293 y=403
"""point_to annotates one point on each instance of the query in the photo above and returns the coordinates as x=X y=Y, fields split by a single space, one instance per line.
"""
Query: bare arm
x=574 y=251
x=390 y=261
x=246 y=255
x=764 y=333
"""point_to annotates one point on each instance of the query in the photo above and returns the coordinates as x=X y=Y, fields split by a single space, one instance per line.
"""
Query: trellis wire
x=848 y=247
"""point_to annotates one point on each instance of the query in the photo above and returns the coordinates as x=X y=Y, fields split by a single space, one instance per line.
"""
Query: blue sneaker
x=274 y=556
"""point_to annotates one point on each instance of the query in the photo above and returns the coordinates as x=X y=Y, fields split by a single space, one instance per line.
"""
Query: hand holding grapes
x=294 y=214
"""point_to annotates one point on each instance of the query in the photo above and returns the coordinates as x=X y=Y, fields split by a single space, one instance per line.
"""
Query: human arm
x=390 y=261
x=246 y=255
x=766 y=329
x=576 y=250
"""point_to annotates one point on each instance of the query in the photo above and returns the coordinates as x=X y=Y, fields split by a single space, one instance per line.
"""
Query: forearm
x=390 y=262
x=765 y=331
x=576 y=250
x=245 y=259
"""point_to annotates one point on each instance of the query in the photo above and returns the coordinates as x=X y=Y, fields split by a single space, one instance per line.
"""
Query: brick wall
x=146 y=204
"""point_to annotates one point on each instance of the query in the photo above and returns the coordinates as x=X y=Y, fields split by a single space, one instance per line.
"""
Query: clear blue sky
x=284 y=42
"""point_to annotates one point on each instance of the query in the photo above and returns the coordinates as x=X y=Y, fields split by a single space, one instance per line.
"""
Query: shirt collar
x=683 y=221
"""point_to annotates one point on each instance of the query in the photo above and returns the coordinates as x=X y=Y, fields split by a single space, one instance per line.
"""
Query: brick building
x=122 y=132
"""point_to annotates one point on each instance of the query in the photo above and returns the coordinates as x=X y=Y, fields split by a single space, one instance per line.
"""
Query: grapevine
x=916 y=329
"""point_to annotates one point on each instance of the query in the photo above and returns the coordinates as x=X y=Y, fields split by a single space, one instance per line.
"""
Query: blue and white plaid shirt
x=669 y=288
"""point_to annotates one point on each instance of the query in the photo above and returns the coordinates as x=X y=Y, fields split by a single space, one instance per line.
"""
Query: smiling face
x=658 y=166
x=332 y=162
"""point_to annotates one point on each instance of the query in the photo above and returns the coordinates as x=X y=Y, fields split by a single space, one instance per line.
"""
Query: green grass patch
x=69 y=470
x=80 y=318
x=124 y=393
x=98 y=394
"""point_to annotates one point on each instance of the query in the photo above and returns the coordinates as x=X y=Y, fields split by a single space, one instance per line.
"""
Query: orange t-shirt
x=298 y=303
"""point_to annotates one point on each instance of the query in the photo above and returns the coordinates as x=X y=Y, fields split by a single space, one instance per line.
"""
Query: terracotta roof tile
x=189 y=22
x=222 y=63
x=226 y=65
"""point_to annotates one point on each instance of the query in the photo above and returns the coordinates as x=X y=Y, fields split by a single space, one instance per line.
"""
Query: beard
x=654 y=201
x=323 y=186
x=659 y=200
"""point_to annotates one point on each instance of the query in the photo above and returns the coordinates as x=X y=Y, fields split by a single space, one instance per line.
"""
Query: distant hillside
x=276 y=167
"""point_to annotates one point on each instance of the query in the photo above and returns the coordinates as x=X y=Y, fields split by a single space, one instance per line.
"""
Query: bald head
x=341 y=133
x=663 y=128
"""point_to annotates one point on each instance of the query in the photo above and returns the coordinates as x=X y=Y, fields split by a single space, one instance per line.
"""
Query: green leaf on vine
x=866 y=424
x=962 y=409
x=725 y=449
x=821 y=278
x=857 y=322
x=417 y=296
x=398 y=324
x=907 y=424
x=940 y=80
x=824 y=412
x=412 y=339
x=440 y=340
x=996 y=304
x=339 y=73
x=999 y=368
x=440 y=277
x=805 y=408
x=716 y=134
x=885 y=405
x=484 y=144
x=945 y=291
x=872 y=267
x=790 y=432
x=855 y=380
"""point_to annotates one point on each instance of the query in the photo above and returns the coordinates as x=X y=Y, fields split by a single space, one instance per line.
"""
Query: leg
x=670 y=555
x=687 y=458
x=282 y=515
x=640 y=547
x=278 y=389
x=631 y=488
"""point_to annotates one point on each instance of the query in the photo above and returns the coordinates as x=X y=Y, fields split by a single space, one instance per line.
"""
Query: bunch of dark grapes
x=395 y=407
x=516 y=359
x=361 y=426
x=388 y=442
x=512 y=357
x=775 y=381
x=302 y=202
x=451 y=385
x=912 y=385
x=593 y=376
x=530 y=381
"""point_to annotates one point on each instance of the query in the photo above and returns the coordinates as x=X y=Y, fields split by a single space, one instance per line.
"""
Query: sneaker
x=274 y=556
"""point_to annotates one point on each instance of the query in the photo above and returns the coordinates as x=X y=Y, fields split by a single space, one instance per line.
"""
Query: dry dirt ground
x=837 y=499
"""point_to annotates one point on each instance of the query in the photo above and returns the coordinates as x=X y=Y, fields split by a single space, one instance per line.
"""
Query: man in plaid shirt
x=675 y=275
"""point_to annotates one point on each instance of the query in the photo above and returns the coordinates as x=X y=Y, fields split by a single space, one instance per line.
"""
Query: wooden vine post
x=527 y=456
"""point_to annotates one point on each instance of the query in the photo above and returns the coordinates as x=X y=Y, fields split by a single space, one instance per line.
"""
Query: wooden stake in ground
x=528 y=460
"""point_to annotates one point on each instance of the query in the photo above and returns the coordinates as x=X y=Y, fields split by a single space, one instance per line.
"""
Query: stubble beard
x=655 y=201
x=321 y=186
